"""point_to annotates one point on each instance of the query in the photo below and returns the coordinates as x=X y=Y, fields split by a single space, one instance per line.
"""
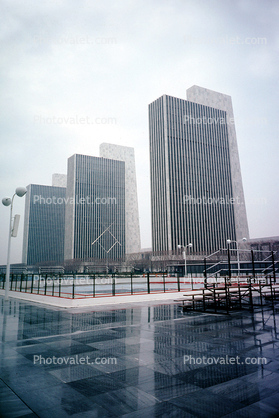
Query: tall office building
x=126 y=154
x=59 y=180
x=95 y=208
x=196 y=188
x=44 y=223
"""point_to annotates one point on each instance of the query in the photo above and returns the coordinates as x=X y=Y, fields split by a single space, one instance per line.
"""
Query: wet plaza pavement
x=137 y=360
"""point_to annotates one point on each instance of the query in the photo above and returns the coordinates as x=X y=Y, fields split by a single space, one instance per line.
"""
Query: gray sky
x=64 y=62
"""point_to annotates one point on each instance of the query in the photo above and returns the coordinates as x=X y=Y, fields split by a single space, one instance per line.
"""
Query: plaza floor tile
x=143 y=360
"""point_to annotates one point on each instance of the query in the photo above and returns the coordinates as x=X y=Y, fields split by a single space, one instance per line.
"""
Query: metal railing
x=76 y=286
x=226 y=260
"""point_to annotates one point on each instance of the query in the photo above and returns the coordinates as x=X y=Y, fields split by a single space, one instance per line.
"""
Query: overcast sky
x=64 y=62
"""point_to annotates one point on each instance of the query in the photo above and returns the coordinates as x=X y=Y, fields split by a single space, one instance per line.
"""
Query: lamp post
x=229 y=241
x=7 y=201
x=190 y=245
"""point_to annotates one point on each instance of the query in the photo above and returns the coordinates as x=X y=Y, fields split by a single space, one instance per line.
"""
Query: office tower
x=95 y=208
x=126 y=154
x=59 y=180
x=44 y=223
x=196 y=188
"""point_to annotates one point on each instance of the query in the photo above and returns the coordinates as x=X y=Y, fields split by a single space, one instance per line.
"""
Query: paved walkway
x=97 y=301
x=137 y=359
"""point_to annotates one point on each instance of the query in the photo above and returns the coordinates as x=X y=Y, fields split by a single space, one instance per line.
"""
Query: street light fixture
x=7 y=201
x=229 y=241
x=190 y=245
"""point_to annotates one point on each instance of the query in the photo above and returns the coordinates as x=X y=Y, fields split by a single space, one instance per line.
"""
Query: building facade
x=132 y=228
x=59 y=180
x=262 y=248
x=44 y=223
x=223 y=102
x=95 y=208
x=196 y=187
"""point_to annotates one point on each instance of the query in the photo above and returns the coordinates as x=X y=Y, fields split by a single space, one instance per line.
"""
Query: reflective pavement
x=137 y=360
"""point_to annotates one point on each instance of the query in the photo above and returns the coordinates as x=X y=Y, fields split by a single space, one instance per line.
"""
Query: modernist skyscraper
x=44 y=223
x=196 y=187
x=95 y=208
x=126 y=154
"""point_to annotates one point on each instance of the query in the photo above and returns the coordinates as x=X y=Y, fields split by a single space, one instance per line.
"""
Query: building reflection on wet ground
x=137 y=360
